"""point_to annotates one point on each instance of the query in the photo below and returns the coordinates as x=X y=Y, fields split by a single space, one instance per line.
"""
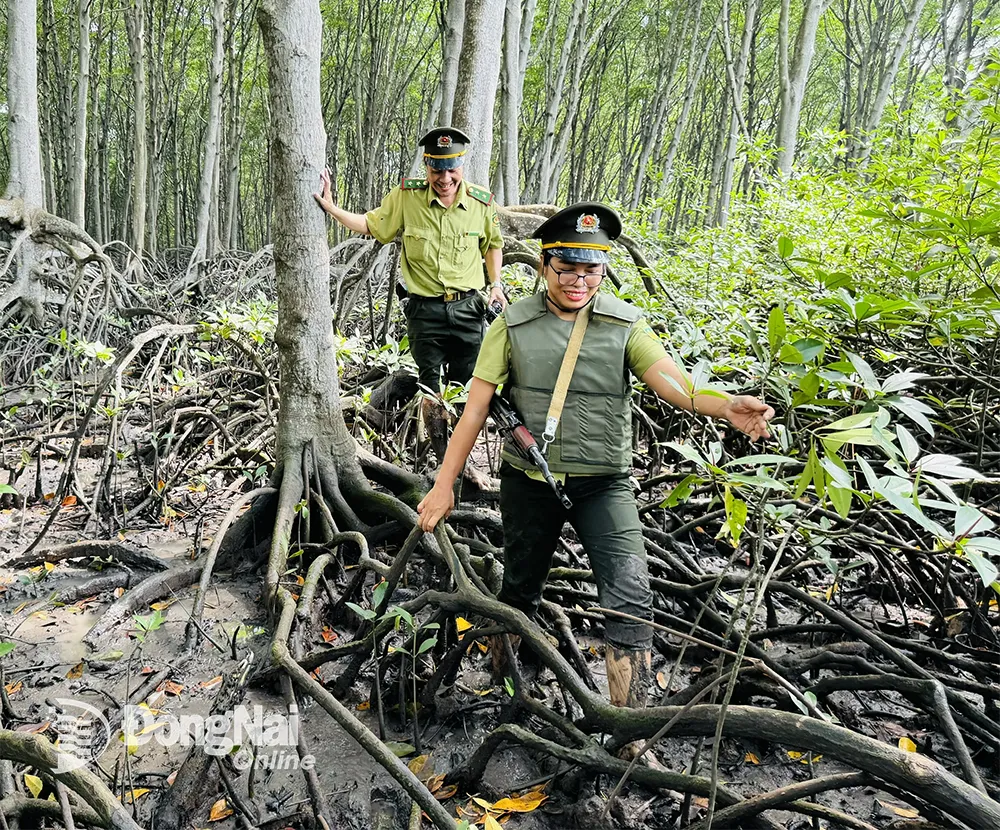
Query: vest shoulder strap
x=606 y=305
x=523 y=311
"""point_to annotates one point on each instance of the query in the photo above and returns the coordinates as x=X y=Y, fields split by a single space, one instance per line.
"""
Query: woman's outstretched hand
x=749 y=415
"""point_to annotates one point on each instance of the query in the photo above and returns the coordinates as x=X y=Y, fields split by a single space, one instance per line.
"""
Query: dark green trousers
x=445 y=337
x=605 y=517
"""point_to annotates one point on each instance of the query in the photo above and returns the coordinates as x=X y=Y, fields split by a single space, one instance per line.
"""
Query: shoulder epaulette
x=480 y=194
x=413 y=184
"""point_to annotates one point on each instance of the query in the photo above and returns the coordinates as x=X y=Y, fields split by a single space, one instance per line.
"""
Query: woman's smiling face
x=572 y=284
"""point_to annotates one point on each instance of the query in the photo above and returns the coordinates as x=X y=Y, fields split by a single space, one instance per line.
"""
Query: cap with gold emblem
x=580 y=233
x=444 y=148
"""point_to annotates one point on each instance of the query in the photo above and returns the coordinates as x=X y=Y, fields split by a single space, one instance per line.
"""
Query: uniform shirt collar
x=460 y=197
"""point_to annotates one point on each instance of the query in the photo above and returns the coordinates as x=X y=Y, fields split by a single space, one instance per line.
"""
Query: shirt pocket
x=417 y=243
x=466 y=250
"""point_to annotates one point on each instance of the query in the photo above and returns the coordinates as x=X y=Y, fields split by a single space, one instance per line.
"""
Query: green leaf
x=736 y=517
x=948 y=466
x=907 y=443
x=861 y=419
x=762 y=458
x=6 y=488
x=364 y=613
x=776 y=328
x=682 y=492
x=689 y=452
x=379 y=593
x=868 y=378
x=399 y=749
x=984 y=567
x=6 y=648
x=785 y=247
x=429 y=643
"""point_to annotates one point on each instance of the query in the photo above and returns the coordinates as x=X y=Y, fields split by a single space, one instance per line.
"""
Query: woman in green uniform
x=588 y=438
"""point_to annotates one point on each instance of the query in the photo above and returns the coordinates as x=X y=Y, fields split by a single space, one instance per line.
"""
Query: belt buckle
x=450 y=296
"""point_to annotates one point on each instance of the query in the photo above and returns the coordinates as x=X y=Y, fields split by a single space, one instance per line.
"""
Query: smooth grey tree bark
x=554 y=101
x=736 y=73
x=478 y=75
x=511 y=105
x=451 y=50
x=25 y=174
x=135 y=21
x=78 y=186
x=792 y=75
x=208 y=190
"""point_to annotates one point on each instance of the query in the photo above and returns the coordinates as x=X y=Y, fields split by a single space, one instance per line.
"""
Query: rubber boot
x=629 y=676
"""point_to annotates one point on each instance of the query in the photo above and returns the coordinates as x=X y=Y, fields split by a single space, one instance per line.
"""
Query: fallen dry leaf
x=522 y=804
x=750 y=758
x=76 y=672
x=907 y=745
x=208 y=684
x=34 y=785
x=219 y=811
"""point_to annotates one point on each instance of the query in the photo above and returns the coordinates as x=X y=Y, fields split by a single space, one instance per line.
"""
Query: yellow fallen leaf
x=907 y=745
x=482 y=802
x=163 y=605
x=661 y=680
x=13 y=688
x=522 y=804
x=75 y=672
x=417 y=764
x=364 y=706
x=750 y=758
x=803 y=757
x=903 y=812
x=50 y=566
x=134 y=795
x=34 y=785
x=490 y=823
x=219 y=811
x=434 y=782
x=461 y=625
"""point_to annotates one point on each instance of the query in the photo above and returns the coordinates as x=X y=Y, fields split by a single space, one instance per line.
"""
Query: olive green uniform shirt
x=443 y=247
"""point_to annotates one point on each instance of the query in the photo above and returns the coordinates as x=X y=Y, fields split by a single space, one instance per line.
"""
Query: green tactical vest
x=594 y=436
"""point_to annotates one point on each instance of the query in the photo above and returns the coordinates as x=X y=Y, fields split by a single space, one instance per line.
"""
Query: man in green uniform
x=449 y=228
x=587 y=439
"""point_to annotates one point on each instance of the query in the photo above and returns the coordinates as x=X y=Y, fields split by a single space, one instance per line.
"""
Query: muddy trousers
x=605 y=517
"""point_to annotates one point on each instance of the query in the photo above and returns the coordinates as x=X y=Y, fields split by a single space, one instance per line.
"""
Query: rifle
x=510 y=424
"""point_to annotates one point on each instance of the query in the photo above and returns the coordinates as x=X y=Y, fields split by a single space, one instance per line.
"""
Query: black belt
x=447 y=297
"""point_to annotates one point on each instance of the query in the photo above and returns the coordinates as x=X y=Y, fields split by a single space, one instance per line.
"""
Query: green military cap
x=444 y=148
x=580 y=233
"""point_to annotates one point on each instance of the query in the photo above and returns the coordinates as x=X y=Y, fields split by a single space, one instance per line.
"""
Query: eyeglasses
x=568 y=278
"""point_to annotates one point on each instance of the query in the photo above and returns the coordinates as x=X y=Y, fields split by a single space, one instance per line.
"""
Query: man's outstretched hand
x=325 y=198
x=749 y=415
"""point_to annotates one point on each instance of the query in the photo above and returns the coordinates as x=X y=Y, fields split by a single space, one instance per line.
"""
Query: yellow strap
x=565 y=376
x=576 y=245
x=451 y=156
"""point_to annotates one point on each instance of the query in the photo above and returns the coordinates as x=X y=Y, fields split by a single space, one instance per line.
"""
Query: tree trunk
x=135 y=20
x=555 y=102
x=862 y=147
x=737 y=73
x=792 y=79
x=451 y=49
x=208 y=189
x=310 y=409
x=693 y=80
x=25 y=179
x=25 y=172
x=509 y=164
x=478 y=74
x=78 y=198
